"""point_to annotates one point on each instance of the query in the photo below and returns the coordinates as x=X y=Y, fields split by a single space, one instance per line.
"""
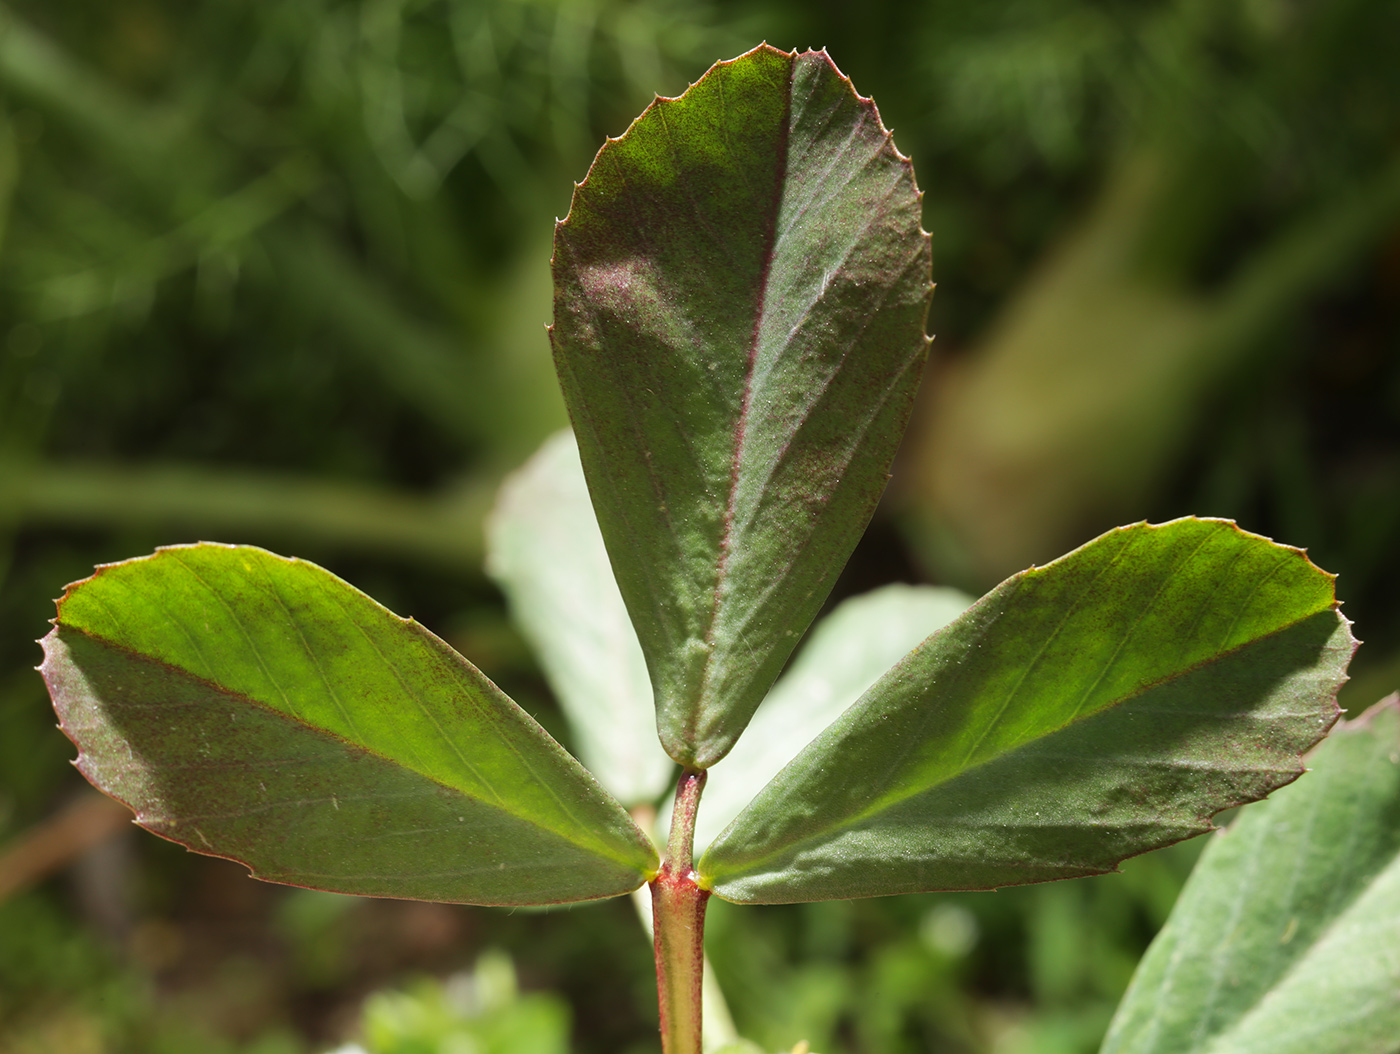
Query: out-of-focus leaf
x=481 y=1012
x=259 y=708
x=846 y=653
x=740 y=293
x=545 y=550
x=1286 y=939
x=1105 y=704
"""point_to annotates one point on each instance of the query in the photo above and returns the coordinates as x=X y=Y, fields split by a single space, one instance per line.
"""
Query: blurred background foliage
x=275 y=271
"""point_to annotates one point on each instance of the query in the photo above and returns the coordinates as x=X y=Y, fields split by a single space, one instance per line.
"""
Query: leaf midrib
x=360 y=748
x=1338 y=909
x=694 y=713
x=1260 y=1005
x=269 y=584
x=890 y=801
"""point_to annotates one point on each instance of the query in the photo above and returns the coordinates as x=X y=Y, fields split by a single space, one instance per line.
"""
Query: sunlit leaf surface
x=740 y=293
x=259 y=708
x=1107 y=703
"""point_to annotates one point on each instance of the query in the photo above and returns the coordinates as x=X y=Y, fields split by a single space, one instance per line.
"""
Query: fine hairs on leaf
x=741 y=287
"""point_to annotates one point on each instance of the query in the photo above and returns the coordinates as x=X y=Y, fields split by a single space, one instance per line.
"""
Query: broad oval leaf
x=846 y=652
x=1100 y=706
x=544 y=548
x=259 y=708
x=1284 y=939
x=741 y=286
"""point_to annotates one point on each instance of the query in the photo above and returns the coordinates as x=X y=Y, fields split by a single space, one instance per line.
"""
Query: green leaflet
x=846 y=652
x=545 y=550
x=740 y=293
x=259 y=708
x=1285 y=939
x=1105 y=704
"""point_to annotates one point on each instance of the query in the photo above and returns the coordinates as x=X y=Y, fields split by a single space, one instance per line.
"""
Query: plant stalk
x=678 y=917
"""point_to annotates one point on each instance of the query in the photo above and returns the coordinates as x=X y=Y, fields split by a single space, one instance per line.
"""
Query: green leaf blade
x=259 y=708
x=1283 y=938
x=846 y=652
x=741 y=287
x=1080 y=713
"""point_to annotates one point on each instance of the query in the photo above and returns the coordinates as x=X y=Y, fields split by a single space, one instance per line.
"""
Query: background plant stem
x=678 y=914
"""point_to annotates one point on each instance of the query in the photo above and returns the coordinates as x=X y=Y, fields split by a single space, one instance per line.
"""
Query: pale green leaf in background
x=544 y=549
x=740 y=293
x=259 y=708
x=1080 y=713
x=1286 y=939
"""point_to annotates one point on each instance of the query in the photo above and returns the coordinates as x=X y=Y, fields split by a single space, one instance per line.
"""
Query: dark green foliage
x=284 y=341
x=741 y=286
x=1082 y=712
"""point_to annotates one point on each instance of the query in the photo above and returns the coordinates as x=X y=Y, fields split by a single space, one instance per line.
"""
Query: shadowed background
x=277 y=272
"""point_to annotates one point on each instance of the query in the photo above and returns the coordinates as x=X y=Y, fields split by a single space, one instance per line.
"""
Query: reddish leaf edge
x=77 y=762
x=1335 y=722
x=1337 y=713
x=657 y=100
x=903 y=159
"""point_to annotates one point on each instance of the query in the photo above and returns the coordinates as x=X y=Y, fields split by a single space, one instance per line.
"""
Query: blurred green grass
x=276 y=272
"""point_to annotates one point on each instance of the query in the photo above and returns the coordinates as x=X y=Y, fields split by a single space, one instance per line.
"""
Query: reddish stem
x=678 y=916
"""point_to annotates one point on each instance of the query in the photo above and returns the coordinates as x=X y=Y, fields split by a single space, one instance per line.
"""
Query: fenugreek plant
x=741 y=288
